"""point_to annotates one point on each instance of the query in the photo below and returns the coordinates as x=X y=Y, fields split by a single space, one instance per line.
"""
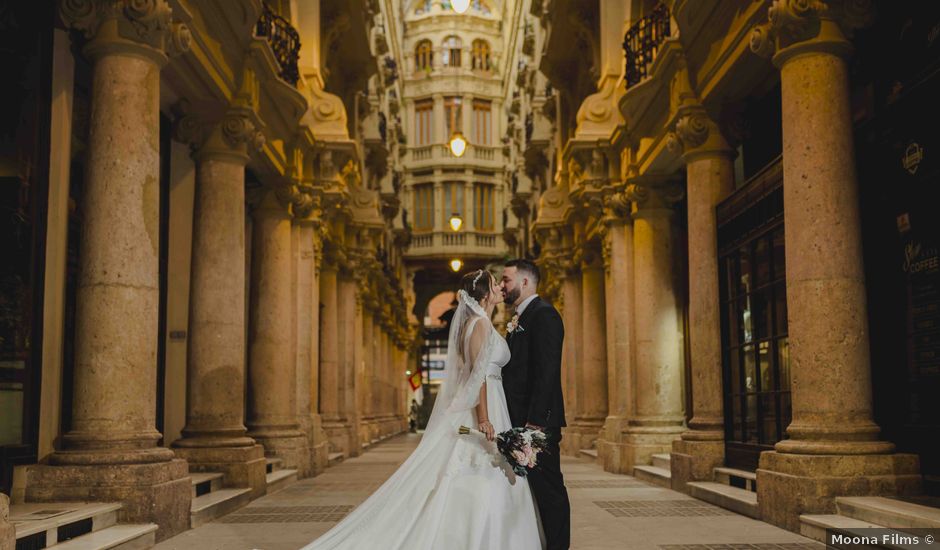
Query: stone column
x=367 y=393
x=214 y=438
x=659 y=417
x=710 y=178
x=330 y=374
x=592 y=369
x=110 y=452
x=833 y=447
x=7 y=532
x=272 y=417
x=350 y=353
x=306 y=321
x=618 y=269
x=571 y=358
x=318 y=441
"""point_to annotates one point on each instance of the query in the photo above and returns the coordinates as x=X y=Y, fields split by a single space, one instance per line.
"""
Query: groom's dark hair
x=528 y=267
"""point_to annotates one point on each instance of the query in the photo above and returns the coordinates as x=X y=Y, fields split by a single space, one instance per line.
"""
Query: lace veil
x=460 y=389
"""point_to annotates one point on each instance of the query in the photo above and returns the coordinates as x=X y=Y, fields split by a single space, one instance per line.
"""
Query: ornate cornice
x=141 y=27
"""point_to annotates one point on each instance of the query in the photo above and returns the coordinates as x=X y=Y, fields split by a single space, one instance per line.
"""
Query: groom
x=532 y=382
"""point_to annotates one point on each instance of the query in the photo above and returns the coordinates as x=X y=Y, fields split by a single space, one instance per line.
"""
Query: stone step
x=814 y=525
x=889 y=512
x=662 y=460
x=280 y=479
x=272 y=464
x=205 y=482
x=335 y=458
x=654 y=474
x=117 y=537
x=216 y=504
x=739 y=477
x=737 y=500
x=588 y=453
x=32 y=521
x=818 y=527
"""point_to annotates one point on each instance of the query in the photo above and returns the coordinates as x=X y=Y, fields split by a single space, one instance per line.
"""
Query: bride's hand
x=488 y=430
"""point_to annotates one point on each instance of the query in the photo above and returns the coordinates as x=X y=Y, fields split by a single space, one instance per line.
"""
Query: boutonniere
x=513 y=326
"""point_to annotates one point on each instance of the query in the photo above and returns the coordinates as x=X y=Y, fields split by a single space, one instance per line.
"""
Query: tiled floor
x=608 y=511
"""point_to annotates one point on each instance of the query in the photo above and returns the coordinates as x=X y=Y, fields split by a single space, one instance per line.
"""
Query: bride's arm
x=477 y=339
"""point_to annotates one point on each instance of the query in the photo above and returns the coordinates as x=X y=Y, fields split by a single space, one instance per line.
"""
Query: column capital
x=132 y=27
x=798 y=27
x=697 y=135
x=649 y=198
x=230 y=135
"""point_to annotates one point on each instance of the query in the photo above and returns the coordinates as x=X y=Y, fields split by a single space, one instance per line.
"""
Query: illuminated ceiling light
x=455 y=222
x=455 y=265
x=460 y=6
x=458 y=144
x=408 y=372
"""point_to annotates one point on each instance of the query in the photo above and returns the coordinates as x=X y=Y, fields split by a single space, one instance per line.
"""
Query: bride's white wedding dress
x=454 y=492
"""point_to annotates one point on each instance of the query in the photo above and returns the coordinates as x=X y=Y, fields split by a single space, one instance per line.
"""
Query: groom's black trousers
x=548 y=487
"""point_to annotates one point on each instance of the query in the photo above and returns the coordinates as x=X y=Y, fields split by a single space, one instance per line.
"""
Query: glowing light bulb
x=455 y=222
x=458 y=145
x=460 y=6
x=455 y=265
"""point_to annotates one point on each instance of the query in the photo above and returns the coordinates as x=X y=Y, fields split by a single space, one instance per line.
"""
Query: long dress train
x=454 y=491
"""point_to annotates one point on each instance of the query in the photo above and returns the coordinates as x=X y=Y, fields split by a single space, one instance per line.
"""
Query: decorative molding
x=143 y=26
x=797 y=25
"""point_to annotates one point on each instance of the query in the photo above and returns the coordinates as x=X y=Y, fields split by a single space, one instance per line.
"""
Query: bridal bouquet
x=520 y=447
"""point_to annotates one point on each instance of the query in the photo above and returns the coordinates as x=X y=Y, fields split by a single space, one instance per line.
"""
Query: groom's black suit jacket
x=532 y=379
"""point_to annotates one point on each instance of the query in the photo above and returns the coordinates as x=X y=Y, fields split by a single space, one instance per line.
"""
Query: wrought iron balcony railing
x=284 y=40
x=642 y=41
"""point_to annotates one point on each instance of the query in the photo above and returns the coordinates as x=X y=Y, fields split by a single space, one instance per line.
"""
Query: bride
x=454 y=491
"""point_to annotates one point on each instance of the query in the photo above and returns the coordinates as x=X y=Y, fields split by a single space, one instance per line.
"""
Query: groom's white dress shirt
x=525 y=303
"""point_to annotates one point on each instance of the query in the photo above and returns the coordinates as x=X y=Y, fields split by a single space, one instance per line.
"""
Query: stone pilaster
x=110 y=452
x=571 y=358
x=318 y=441
x=272 y=415
x=710 y=178
x=214 y=438
x=618 y=270
x=659 y=417
x=833 y=447
x=592 y=368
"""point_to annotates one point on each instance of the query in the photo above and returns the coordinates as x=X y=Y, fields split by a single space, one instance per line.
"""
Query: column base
x=610 y=445
x=581 y=434
x=7 y=533
x=319 y=445
x=158 y=493
x=368 y=430
x=641 y=443
x=693 y=460
x=790 y=484
x=241 y=466
x=343 y=438
x=288 y=445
